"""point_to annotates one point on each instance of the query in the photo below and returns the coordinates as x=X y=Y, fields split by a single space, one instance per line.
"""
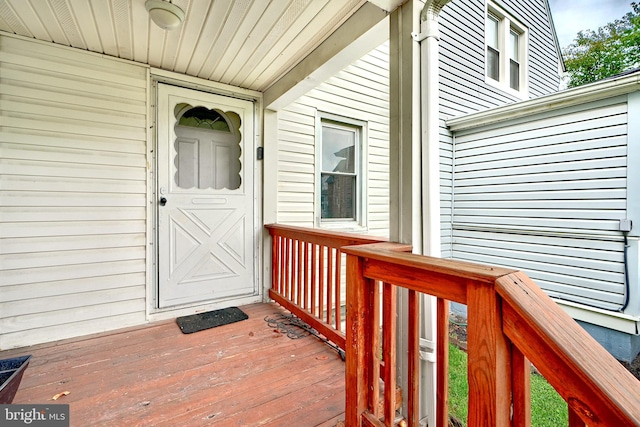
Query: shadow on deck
x=244 y=373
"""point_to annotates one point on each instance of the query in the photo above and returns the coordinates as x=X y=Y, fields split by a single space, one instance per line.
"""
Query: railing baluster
x=413 y=366
x=305 y=286
x=275 y=259
x=338 y=298
x=293 y=270
x=329 y=292
x=281 y=264
x=314 y=279
x=300 y=274
x=322 y=283
x=389 y=324
x=521 y=386
x=442 y=363
x=372 y=320
x=287 y=268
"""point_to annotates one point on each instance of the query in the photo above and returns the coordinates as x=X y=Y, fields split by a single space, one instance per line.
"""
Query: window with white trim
x=506 y=42
x=340 y=175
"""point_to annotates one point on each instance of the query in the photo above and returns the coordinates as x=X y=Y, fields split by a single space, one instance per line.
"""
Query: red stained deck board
x=244 y=373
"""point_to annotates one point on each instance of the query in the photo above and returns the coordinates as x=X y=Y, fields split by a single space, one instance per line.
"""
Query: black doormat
x=210 y=319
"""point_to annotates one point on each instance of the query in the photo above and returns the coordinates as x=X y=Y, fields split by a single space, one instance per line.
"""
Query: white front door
x=206 y=237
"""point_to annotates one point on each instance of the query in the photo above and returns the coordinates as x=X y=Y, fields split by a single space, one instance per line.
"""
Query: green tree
x=612 y=49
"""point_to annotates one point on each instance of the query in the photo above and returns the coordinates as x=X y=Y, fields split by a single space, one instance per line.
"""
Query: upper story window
x=506 y=41
x=340 y=172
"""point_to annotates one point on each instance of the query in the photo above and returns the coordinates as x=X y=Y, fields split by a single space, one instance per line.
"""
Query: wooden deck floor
x=243 y=374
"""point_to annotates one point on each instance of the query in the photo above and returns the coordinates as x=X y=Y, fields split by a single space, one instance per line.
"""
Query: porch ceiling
x=245 y=43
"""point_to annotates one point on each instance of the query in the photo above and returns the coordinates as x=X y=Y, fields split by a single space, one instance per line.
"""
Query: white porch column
x=405 y=165
x=270 y=192
x=404 y=123
x=415 y=171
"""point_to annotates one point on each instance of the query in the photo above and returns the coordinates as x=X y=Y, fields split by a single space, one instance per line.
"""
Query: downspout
x=430 y=136
x=429 y=193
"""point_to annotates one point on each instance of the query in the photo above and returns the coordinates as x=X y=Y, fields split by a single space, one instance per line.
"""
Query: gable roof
x=554 y=34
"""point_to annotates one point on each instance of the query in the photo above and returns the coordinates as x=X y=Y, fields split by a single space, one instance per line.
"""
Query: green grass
x=547 y=407
x=458 y=386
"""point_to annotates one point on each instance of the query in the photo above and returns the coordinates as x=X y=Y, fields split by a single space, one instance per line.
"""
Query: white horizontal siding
x=360 y=91
x=545 y=194
x=462 y=75
x=73 y=191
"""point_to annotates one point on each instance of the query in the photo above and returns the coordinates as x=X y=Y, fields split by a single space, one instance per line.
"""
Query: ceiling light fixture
x=166 y=15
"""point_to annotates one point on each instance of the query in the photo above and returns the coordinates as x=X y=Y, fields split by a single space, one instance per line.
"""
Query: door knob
x=163 y=201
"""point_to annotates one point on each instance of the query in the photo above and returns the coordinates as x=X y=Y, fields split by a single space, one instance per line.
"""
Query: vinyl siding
x=360 y=91
x=545 y=194
x=462 y=75
x=73 y=190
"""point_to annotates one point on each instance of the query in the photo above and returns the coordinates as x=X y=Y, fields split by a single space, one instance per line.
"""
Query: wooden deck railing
x=308 y=275
x=511 y=321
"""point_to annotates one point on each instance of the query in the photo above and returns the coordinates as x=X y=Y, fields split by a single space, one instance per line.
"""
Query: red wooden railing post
x=356 y=384
x=488 y=360
x=372 y=344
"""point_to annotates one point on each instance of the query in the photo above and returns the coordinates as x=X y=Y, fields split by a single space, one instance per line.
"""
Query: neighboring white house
x=506 y=52
x=551 y=187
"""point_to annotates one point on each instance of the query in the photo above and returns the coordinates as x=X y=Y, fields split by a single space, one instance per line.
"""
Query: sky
x=572 y=16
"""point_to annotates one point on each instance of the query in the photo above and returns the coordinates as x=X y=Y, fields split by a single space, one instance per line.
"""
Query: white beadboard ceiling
x=245 y=43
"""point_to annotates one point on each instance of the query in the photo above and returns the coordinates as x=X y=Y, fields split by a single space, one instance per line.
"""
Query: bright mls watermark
x=34 y=415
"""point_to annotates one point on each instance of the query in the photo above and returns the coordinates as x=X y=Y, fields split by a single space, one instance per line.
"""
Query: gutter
x=607 y=88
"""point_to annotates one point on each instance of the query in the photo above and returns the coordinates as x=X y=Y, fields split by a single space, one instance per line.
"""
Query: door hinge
x=260 y=153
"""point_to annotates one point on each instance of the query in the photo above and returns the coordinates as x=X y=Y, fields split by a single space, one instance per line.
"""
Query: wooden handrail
x=307 y=271
x=594 y=385
x=510 y=321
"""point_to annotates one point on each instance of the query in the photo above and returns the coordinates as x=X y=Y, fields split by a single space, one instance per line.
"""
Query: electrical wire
x=295 y=328
x=626 y=274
